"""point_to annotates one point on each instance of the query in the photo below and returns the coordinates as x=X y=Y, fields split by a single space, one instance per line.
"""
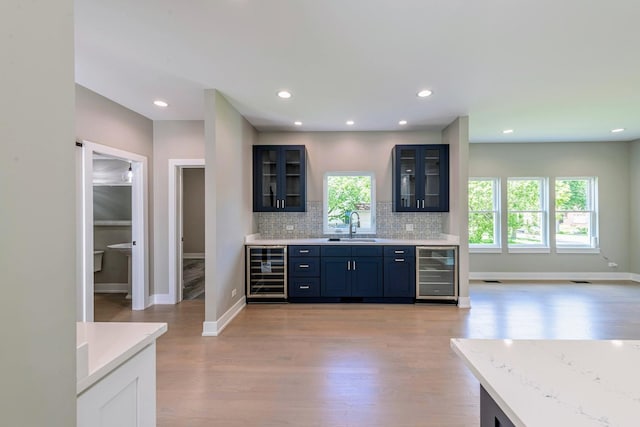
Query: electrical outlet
x=613 y=265
x=289 y=227
x=408 y=227
x=233 y=293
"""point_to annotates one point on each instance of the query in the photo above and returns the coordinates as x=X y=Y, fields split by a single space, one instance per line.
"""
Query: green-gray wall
x=228 y=203
x=634 y=200
x=37 y=207
x=609 y=161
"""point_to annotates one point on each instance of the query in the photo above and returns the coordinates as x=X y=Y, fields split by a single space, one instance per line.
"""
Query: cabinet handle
x=304 y=286
x=277 y=203
x=284 y=199
x=399 y=259
x=422 y=203
x=398 y=252
x=304 y=265
x=417 y=204
x=354 y=264
x=304 y=251
x=348 y=265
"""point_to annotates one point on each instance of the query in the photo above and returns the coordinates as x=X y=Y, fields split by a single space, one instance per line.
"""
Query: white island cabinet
x=116 y=375
x=543 y=383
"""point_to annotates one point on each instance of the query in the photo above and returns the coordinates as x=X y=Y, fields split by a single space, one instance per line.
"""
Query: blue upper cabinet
x=421 y=178
x=279 y=178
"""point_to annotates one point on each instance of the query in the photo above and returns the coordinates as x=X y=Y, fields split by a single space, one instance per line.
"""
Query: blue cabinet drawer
x=304 y=287
x=400 y=251
x=304 y=267
x=303 y=251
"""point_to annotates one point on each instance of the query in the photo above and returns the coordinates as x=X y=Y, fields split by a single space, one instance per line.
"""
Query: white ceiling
x=552 y=70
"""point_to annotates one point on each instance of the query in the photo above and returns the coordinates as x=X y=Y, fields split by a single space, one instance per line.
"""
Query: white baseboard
x=635 y=277
x=162 y=299
x=193 y=255
x=213 y=329
x=464 y=302
x=110 y=288
x=550 y=276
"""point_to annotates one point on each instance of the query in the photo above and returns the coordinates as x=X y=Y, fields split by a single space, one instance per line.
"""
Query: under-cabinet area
x=390 y=273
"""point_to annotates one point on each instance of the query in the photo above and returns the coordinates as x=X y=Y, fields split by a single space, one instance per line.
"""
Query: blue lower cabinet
x=366 y=277
x=304 y=287
x=399 y=277
x=335 y=276
x=358 y=272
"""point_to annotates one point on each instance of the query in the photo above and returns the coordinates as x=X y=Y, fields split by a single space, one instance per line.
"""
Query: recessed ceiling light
x=507 y=131
x=402 y=122
x=284 y=94
x=160 y=103
x=617 y=130
x=350 y=122
x=424 y=93
x=297 y=123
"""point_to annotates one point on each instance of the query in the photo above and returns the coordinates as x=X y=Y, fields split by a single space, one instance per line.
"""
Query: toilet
x=97 y=260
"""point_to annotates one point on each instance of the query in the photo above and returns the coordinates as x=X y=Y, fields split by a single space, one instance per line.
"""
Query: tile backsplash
x=389 y=224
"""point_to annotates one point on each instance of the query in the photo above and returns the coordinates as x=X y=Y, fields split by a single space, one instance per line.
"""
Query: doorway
x=186 y=229
x=135 y=249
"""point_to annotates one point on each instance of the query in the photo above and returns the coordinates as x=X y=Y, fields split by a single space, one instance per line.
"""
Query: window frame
x=592 y=209
x=495 y=247
x=326 y=228
x=542 y=247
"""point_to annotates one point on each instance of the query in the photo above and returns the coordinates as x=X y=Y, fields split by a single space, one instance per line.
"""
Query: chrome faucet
x=351 y=224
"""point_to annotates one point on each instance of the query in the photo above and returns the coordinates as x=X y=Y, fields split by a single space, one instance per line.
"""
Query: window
x=347 y=192
x=576 y=213
x=527 y=214
x=484 y=213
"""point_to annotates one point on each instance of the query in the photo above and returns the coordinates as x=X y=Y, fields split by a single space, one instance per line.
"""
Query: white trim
x=139 y=226
x=549 y=276
x=175 y=223
x=464 y=302
x=193 y=255
x=164 y=299
x=635 y=277
x=484 y=250
x=213 y=329
x=111 y=288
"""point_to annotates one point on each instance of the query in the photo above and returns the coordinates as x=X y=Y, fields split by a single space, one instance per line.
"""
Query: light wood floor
x=361 y=365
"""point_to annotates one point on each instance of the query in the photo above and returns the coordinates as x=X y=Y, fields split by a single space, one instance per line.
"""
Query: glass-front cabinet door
x=421 y=178
x=279 y=181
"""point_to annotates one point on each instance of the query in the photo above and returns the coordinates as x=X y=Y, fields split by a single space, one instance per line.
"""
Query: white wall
x=228 y=202
x=349 y=151
x=609 y=161
x=37 y=207
x=172 y=139
x=457 y=136
x=634 y=201
x=105 y=122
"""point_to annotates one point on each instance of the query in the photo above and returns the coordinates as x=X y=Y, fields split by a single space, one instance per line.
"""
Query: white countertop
x=558 y=382
x=444 y=240
x=103 y=346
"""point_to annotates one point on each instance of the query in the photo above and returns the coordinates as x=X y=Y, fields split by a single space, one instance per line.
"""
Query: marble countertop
x=103 y=346
x=558 y=382
x=443 y=240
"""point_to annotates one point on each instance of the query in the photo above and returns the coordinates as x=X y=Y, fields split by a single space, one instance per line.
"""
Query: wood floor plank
x=361 y=365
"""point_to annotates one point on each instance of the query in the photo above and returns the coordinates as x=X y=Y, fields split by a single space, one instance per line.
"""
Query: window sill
x=484 y=250
x=530 y=250
x=577 y=250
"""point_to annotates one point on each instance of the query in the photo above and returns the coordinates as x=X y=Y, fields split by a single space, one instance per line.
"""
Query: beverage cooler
x=266 y=273
x=437 y=273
